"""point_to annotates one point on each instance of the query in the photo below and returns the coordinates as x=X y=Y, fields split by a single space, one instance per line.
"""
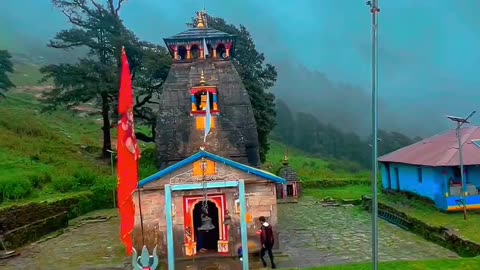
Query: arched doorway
x=195 y=51
x=182 y=52
x=221 y=51
x=210 y=238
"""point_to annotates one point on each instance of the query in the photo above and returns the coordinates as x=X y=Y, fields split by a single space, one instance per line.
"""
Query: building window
x=182 y=53
x=201 y=101
x=419 y=173
x=204 y=168
x=476 y=142
x=221 y=50
x=195 y=51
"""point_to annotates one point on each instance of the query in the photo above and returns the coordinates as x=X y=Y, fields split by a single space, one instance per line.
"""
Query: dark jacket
x=266 y=236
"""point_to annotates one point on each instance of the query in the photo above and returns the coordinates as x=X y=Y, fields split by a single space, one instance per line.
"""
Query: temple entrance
x=290 y=190
x=213 y=236
x=206 y=227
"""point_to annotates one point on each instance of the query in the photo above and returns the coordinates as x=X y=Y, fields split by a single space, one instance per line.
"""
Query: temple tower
x=201 y=64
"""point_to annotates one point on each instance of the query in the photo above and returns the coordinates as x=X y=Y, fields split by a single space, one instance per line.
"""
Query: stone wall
x=235 y=135
x=439 y=235
x=25 y=223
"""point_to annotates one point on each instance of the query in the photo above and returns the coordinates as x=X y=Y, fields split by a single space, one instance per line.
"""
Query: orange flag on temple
x=128 y=155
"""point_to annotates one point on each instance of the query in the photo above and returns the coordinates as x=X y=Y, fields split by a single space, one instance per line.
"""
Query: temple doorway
x=206 y=239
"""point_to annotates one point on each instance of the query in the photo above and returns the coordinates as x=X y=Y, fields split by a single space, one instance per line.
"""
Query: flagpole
x=140 y=207
x=374 y=10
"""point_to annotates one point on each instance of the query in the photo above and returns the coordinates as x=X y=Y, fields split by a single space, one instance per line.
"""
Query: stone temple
x=209 y=193
x=202 y=64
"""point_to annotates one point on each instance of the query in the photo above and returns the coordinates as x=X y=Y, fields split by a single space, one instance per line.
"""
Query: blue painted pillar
x=243 y=222
x=168 y=217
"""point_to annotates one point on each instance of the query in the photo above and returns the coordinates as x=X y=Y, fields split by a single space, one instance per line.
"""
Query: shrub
x=64 y=184
x=103 y=192
x=39 y=180
x=85 y=178
x=14 y=189
x=344 y=166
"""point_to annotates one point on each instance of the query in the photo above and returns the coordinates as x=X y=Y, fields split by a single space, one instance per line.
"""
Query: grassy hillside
x=313 y=168
x=43 y=154
x=46 y=154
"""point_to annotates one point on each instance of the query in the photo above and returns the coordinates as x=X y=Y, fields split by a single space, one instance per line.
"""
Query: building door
x=397 y=178
x=389 y=176
x=215 y=240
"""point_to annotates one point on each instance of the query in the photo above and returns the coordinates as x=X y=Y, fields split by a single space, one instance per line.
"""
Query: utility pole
x=374 y=10
x=460 y=121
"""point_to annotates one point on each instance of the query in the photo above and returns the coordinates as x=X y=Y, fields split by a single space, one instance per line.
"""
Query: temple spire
x=285 y=157
x=200 y=20
x=202 y=78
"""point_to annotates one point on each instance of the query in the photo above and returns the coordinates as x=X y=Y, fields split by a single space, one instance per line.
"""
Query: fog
x=428 y=52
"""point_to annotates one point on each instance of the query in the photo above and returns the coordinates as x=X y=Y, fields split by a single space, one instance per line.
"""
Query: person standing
x=266 y=240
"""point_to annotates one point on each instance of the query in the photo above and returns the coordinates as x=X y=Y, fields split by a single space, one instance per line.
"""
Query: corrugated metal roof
x=440 y=150
x=203 y=154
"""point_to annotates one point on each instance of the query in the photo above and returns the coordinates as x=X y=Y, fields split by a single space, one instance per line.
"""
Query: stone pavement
x=90 y=245
x=310 y=235
x=314 y=235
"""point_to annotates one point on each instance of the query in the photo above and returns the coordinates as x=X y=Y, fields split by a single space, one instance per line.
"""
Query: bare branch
x=110 y=5
x=56 y=45
x=98 y=6
x=73 y=20
x=119 y=6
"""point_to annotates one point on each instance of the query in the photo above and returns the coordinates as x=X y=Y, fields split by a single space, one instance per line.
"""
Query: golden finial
x=285 y=157
x=202 y=78
x=200 y=23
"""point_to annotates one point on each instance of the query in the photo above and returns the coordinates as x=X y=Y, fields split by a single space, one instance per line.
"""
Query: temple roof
x=199 y=33
x=288 y=174
x=203 y=154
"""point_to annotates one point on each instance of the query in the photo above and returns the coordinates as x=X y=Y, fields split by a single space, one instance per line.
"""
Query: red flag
x=128 y=154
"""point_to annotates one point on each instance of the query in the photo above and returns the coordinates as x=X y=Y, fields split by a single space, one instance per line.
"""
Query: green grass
x=26 y=75
x=467 y=229
x=311 y=168
x=416 y=208
x=41 y=151
x=447 y=264
x=346 y=192
x=45 y=154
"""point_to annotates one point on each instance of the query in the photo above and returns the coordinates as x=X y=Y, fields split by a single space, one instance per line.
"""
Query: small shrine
x=200 y=42
x=291 y=191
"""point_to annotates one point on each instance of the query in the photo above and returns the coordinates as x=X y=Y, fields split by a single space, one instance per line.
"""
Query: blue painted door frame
x=225 y=184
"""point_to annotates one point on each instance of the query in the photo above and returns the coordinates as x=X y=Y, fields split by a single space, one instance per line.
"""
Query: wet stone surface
x=86 y=247
x=313 y=235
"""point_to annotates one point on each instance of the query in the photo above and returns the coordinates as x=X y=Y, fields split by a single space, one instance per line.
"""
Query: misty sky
x=428 y=51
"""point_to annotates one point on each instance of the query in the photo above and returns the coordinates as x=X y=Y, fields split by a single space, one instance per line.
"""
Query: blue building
x=431 y=169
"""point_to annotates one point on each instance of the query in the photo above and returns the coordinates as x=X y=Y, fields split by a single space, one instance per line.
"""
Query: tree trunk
x=154 y=127
x=107 y=140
